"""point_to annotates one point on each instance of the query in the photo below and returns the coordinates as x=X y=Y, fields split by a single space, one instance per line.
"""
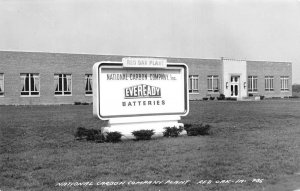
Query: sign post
x=140 y=93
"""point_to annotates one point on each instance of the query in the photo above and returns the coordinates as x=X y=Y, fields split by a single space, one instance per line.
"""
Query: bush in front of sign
x=187 y=125
x=88 y=134
x=113 y=137
x=99 y=138
x=172 y=131
x=143 y=134
x=197 y=129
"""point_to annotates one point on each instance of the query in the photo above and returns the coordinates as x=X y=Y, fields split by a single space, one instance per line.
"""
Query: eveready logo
x=142 y=91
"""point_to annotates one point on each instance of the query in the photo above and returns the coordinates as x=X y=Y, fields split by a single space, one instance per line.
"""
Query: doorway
x=235 y=86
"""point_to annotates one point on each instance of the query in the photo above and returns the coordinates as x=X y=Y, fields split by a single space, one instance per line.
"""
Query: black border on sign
x=149 y=114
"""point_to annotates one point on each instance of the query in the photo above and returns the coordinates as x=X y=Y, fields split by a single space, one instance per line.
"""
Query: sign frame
x=119 y=65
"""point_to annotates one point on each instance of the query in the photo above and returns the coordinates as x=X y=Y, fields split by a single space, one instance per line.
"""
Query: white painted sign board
x=139 y=91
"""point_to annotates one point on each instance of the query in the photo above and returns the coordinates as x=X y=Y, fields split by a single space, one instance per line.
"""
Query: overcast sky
x=248 y=29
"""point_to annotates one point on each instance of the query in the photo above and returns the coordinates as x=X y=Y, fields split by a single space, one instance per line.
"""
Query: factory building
x=34 y=78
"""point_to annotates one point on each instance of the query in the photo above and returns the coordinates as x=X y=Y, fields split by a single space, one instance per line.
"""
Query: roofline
x=223 y=58
x=12 y=51
x=220 y=59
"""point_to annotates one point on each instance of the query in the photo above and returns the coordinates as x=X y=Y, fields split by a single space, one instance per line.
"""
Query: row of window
x=30 y=84
x=269 y=83
x=213 y=83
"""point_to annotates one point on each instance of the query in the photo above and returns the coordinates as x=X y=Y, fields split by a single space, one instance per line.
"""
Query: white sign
x=144 y=63
x=130 y=92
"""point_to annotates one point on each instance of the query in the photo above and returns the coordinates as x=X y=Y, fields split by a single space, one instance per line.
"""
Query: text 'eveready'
x=142 y=91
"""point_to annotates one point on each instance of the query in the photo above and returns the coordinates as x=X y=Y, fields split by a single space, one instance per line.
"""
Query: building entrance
x=235 y=86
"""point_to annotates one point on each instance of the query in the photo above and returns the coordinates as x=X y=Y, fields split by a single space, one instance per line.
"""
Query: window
x=284 y=83
x=213 y=83
x=193 y=83
x=252 y=83
x=30 y=84
x=1 y=84
x=63 y=84
x=269 y=83
x=88 y=81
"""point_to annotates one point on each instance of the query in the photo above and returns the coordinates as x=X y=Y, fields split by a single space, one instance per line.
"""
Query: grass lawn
x=253 y=146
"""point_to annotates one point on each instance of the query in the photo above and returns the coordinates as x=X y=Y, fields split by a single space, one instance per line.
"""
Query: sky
x=238 y=29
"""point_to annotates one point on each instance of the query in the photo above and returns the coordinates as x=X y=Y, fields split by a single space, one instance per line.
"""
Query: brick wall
x=276 y=69
x=12 y=64
x=48 y=64
x=203 y=68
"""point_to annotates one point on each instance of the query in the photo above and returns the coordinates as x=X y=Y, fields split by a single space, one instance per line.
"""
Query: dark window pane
x=27 y=83
x=65 y=84
x=31 y=83
x=60 y=84
x=87 y=84
x=90 y=85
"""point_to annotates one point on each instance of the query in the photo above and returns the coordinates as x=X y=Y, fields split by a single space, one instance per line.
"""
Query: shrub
x=97 y=135
x=81 y=103
x=188 y=125
x=197 y=129
x=99 y=138
x=262 y=97
x=231 y=98
x=172 y=131
x=221 y=97
x=143 y=134
x=205 y=98
x=211 y=98
x=113 y=137
x=92 y=134
x=88 y=134
x=80 y=133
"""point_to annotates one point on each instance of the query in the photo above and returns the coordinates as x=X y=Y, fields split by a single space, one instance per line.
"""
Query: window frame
x=269 y=83
x=63 y=92
x=251 y=86
x=192 y=79
x=212 y=78
x=2 y=93
x=31 y=93
x=88 y=77
x=284 y=83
